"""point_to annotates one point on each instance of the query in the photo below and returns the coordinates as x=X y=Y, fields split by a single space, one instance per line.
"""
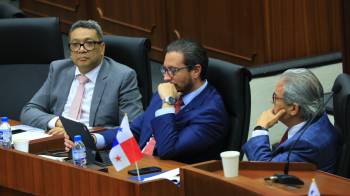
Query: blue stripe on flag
x=115 y=142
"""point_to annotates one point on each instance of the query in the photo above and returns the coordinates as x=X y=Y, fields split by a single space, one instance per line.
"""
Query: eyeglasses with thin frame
x=274 y=97
x=172 y=70
x=87 y=45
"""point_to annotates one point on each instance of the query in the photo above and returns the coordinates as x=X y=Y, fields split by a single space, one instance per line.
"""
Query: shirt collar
x=92 y=75
x=293 y=130
x=190 y=96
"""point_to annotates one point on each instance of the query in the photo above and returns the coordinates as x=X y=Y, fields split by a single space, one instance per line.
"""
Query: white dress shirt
x=87 y=97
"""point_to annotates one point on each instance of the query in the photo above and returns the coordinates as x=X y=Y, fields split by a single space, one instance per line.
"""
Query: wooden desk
x=207 y=179
x=28 y=174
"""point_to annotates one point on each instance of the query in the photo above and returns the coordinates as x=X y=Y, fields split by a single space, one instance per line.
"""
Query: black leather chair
x=27 y=47
x=9 y=11
x=133 y=52
x=341 y=106
x=232 y=82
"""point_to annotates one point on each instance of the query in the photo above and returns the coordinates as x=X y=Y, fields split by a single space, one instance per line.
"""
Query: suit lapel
x=100 y=85
x=197 y=101
x=65 y=85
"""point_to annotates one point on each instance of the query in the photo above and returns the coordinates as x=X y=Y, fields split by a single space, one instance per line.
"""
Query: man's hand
x=58 y=123
x=57 y=131
x=68 y=143
x=167 y=90
x=267 y=119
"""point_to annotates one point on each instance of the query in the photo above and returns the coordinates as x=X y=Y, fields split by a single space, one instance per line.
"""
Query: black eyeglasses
x=172 y=70
x=87 y=45
x=274 y=97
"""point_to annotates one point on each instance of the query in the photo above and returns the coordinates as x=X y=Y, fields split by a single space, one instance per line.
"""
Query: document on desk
x=172 y=175
x=31 y=133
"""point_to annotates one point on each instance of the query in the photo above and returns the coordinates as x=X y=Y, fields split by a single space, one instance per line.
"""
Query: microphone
x=291 y=180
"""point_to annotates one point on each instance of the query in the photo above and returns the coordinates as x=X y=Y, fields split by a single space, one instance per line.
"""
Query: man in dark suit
x=298 y=98
x=89 y=87
x=193 y=131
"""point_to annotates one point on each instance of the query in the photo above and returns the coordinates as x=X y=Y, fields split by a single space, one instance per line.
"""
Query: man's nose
x=166 y=77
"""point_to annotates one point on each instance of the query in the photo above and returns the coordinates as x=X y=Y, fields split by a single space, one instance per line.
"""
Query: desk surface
x=251 y=180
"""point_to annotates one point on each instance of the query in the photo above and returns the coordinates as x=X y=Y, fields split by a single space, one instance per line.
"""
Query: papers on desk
x=54 y=158
x=31 y=133
x=172 y=175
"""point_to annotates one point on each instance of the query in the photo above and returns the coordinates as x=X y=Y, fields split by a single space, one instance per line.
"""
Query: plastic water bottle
x=5 y=133
x=79 y=152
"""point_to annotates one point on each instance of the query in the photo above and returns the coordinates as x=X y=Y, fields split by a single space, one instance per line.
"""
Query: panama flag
x=125 y=150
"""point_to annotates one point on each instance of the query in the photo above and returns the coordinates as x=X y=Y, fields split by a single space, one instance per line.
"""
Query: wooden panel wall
x=247 y=32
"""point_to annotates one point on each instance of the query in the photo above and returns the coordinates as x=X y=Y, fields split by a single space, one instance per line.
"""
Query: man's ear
x=294 y=109
x=196 y=71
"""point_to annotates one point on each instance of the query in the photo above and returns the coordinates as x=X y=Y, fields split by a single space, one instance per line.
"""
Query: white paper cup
x=230 y=163
x=21 y=145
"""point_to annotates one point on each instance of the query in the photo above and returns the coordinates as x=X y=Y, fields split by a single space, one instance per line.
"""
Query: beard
x=186 y=87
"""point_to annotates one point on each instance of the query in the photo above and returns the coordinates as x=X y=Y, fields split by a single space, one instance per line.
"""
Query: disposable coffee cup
x=21 y=145
x=230 y=163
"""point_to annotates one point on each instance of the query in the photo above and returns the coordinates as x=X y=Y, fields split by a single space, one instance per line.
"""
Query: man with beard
x=186 y=119
x=89 y=87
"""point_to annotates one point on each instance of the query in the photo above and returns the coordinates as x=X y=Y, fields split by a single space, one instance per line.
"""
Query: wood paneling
x=345 y=13
x=247 y=32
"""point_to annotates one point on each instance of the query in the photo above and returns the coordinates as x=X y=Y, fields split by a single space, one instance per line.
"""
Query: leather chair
x=27 y=47
x=133 y=52
x=9 y=11
x=341 y=106
x=232 y=82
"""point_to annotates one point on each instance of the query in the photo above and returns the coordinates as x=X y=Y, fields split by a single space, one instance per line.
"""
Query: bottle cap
x=4 y=119
x=77 y=138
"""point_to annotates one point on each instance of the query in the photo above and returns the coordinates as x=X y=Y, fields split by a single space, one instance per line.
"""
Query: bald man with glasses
x=89 y=87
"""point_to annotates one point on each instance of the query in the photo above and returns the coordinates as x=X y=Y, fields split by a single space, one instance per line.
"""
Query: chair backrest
x=28 y=46
x=341 y=107
x=133 y=52
x=10 y=11
x=232 y=82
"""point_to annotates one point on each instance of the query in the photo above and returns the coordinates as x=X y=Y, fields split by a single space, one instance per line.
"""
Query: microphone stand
x=285 y=178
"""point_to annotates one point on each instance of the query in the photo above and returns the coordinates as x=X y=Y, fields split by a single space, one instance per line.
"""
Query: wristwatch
x=169 y=100
x=260 y=128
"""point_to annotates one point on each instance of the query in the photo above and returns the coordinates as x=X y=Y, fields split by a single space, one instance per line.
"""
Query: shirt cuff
x=100 y=141
x=259 y=132
x=52 y=122
x=163 y=111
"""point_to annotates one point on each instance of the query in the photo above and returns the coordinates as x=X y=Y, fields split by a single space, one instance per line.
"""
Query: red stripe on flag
x=131 y=150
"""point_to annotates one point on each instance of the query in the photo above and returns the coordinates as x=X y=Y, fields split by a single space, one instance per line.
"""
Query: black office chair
x=9 y=11
x=133 y=52
x=341 y=106
x=232 y=82
x=27 y=47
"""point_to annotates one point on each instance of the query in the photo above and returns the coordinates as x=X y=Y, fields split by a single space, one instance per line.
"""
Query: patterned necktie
x=75 y=109
x=179 y=102
x=284 y=137
x=149 y=148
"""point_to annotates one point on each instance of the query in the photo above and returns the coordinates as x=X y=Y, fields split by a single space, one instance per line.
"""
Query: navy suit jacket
x=197 y=133
x=318 y=145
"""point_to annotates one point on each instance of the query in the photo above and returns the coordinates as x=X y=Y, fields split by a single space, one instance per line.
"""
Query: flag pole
x=138 y=172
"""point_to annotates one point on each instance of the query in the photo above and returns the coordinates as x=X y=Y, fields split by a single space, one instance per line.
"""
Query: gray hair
x=88 y=24
x=302 y=87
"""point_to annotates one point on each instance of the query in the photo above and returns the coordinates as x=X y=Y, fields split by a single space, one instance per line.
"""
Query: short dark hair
x=88 y=24
x=193 y=54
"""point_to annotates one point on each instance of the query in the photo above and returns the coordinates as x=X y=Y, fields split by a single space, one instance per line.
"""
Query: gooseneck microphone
x=291 y=180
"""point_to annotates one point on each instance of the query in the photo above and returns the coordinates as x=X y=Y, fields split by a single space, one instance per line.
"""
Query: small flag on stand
x=313 y=190
x=125 y=150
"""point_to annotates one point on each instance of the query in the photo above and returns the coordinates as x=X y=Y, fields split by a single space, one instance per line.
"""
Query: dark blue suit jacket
x=197 y=133
x=318 y=145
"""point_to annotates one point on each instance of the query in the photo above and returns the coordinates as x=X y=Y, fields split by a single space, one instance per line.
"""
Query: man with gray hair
x=89 y=87
x=297 y=103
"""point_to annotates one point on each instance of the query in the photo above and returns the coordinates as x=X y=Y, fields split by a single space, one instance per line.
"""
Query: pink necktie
x=149 y=148
x=75 y=109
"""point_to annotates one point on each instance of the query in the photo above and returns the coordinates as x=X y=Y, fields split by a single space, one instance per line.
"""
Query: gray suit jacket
x=115 y=93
